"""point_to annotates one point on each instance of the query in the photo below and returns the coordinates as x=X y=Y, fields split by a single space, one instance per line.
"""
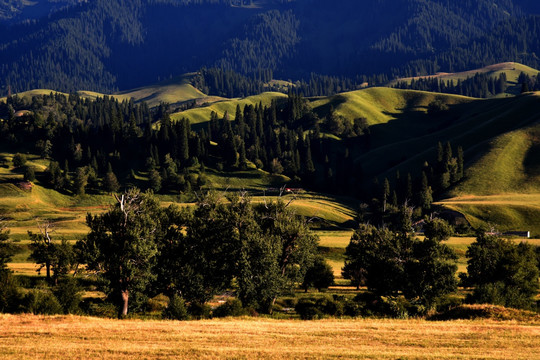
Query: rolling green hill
x=202 y=114
x=173 y=91
x=512 y=70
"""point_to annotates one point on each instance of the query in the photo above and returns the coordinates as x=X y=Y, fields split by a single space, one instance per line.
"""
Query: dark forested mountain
x=108 y=45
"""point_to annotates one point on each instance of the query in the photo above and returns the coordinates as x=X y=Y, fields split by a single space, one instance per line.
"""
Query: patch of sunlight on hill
x=511 y=164
x=381 y=105
x=509 y=212
x=511 y=69
x=202 y=114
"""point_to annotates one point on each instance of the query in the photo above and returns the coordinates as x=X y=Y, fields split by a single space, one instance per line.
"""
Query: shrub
x=10 y=295
x=232 y=307
x=308 y=309
x=41 y=302
x=19 y=160
x=176 y=310
x=199 y=311
x=29 y=174
x=68 y=292
x=101 y=309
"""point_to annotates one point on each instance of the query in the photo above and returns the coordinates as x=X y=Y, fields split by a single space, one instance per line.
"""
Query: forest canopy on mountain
x=101 y=45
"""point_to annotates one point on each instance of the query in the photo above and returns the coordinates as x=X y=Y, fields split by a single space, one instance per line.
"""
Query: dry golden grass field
x=70 y=337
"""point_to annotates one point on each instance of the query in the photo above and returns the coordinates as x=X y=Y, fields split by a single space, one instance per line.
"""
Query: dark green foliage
x=501 y=272
x=199 y=311
x=68 y=292
x=312 y=309
x=392 y=263
x=287 y=38
x=176 y=310
x=57 y=259
x=110 y=182
x=319 y=275
x=122 y=245
x=480 y=85
x=7 y=249
x=19 y=160
x=231 y=307
x=10 y=295
x=41 y=302
x=29 y=173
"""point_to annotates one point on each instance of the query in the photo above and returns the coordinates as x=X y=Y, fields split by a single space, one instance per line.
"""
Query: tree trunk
x=48 y=268
x=125 y=301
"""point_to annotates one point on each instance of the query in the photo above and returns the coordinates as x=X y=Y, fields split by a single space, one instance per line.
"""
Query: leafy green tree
x=319 y=275
x=431 y=271
x=57 y=259
x=390 y=263
x=258 y=274
x=121 y=246
x=155 y=181
x=297 y=244
x=501 y=272
x=7 y=249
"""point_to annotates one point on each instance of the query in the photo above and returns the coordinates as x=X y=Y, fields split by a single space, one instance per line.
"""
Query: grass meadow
x=72 y=337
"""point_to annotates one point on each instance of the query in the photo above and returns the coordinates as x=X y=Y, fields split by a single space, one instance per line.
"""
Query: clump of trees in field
x=405 y=275
x=138 y=249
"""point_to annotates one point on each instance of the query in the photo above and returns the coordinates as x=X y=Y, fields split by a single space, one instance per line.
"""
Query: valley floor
x=71 y=337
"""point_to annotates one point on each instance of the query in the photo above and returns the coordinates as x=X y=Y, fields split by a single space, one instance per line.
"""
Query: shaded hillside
x=108 y=45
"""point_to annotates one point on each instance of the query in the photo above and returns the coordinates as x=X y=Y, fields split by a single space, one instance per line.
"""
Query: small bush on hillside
x=19 y=160
x=29 y=174
x=232 y=307
x=176 y=310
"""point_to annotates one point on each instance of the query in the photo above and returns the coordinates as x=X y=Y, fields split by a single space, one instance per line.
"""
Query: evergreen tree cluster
x=480 y=85
x=529 y=83
x=416 y=190
x=228 y=83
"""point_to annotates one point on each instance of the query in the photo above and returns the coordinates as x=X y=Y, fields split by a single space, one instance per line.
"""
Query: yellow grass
x=24 y=268
x=335 y=238
x=67 y=337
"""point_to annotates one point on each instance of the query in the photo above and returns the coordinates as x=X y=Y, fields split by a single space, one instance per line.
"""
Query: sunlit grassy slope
x=172 y=91
x=511 y=69
x=202 y=114
x=71 y=337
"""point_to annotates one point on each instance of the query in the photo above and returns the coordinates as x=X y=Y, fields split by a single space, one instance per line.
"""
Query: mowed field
x=71 y=337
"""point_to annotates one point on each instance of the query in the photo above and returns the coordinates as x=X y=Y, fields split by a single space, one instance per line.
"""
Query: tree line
x=480 y=85
x=257 y=253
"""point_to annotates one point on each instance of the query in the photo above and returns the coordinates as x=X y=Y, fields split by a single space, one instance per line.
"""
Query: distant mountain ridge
x=111 y=45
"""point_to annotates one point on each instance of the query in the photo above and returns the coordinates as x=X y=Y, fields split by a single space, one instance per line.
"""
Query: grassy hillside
x=173 y=91
x=511 y=69
x=202 y=114
x=83 y=337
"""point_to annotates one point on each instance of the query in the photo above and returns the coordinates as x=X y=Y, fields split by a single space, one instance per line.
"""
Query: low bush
x=41 y=302
x=199 y=311
x=232 y=307
x=176 y=310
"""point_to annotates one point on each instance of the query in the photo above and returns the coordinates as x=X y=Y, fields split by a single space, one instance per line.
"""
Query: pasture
x=72 y=337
